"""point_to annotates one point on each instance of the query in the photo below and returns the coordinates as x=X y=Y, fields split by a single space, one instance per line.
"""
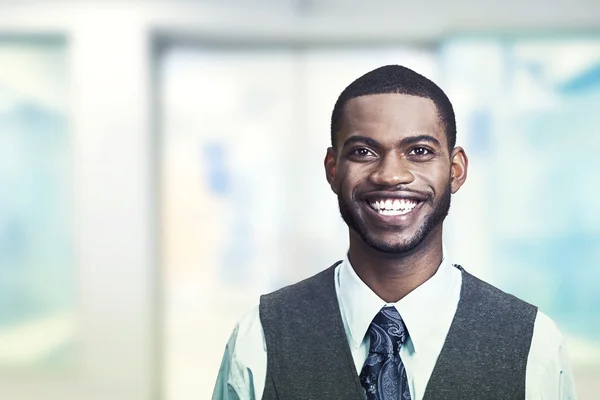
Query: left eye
x=420 y=151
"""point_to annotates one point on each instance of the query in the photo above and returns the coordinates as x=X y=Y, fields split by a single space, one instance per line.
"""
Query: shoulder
x=549 y=372
x=244 y=363
x=293 y=308
x=547 y=330
x=316 y=285
x=548 y=345
x=248 y=336
x=491 y=296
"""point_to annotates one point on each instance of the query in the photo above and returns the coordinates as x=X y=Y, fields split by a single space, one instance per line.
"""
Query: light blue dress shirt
x=427 y=312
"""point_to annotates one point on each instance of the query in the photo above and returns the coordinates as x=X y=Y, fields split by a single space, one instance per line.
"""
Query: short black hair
x=401 y=80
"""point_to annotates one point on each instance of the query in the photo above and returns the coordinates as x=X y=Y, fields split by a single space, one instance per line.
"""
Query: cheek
x=352 y=180
x=437 y=178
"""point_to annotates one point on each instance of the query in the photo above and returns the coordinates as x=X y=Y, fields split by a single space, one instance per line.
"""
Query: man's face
x=392 y=170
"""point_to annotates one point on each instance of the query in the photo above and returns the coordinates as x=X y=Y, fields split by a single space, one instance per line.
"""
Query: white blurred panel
x=227 y=118
x=245 y=204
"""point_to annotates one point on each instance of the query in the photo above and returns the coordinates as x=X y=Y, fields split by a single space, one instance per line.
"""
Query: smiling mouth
x=393 y=207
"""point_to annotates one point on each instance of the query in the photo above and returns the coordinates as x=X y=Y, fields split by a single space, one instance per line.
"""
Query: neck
x=393 y=276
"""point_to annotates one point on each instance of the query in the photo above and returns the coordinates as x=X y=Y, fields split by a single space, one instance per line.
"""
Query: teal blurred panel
x=36 y=255
x=528 y=114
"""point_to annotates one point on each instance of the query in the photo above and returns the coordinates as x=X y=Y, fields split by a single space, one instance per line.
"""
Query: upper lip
x=399 y=194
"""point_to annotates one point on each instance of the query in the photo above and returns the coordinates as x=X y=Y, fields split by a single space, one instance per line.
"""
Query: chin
x=393 y=247
x=394 y=237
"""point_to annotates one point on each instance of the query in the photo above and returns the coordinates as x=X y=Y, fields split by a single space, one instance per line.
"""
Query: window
x=528 y=112
x=37 y=327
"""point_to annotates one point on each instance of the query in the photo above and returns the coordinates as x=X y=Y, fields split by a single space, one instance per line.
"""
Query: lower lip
x=395 y=219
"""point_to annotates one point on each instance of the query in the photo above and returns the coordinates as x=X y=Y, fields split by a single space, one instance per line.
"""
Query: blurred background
x=161 y=167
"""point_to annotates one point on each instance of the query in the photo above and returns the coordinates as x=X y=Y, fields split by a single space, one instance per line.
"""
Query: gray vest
x=484 y=356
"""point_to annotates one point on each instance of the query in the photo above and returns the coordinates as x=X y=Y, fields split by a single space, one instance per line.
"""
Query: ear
x=458 y=168
x=330 y=164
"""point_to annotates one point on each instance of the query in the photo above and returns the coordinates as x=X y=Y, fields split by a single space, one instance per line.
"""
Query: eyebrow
x=404 y=142
x=361 y=139
x=420 y=138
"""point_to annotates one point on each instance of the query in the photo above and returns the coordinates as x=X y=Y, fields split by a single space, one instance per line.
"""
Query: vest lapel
x=485 y=352
x=308 y=355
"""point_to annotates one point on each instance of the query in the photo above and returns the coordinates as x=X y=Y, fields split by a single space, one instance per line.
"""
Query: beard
x=358 y=225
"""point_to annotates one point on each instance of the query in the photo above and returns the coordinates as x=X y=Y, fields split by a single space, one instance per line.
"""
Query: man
x=394 y=319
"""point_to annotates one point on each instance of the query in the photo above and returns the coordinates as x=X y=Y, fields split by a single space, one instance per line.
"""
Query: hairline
x=342 y=114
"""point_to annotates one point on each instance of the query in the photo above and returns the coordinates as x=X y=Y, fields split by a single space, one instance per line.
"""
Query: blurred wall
x=194 y=135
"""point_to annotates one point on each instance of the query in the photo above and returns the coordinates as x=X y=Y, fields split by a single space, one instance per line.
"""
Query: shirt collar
x=419 y=309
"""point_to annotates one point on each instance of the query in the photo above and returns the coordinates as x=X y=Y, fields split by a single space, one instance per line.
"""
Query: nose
x=392 y=170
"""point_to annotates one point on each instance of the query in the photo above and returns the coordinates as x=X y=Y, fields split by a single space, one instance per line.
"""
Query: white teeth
x=393 y=206
x=395 y=212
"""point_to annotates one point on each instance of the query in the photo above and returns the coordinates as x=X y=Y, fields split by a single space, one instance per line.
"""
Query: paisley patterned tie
x=383 y=375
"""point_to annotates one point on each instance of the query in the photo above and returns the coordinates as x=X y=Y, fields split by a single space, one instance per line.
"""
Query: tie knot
x=387 y=331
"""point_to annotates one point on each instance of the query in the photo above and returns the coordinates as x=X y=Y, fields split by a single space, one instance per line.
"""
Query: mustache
x=361 y=193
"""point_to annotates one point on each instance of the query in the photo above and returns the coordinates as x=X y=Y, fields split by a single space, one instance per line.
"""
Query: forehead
x=391 y=116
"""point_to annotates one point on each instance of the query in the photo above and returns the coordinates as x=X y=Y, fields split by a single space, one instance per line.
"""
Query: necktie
x=383 y=375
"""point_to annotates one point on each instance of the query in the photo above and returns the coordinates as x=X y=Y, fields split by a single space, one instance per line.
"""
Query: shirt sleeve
x=243 y=368
x=549 y=373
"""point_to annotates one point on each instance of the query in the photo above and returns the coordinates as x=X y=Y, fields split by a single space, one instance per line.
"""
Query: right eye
x=362 y=152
